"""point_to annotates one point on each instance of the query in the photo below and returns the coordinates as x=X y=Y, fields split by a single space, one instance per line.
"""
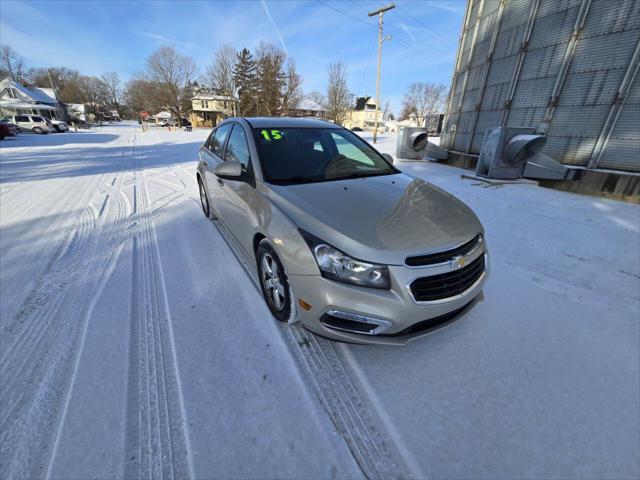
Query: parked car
x=31 y=123
x=13 y=128
x=59 y=125
x=4 y=131
x=335 y=235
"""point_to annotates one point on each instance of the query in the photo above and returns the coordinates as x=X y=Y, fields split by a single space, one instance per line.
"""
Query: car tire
x=37 y=130
x=275 y=284
x=204 y=199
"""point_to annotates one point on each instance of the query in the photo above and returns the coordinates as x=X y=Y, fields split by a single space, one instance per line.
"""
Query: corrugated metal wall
x=569 y=68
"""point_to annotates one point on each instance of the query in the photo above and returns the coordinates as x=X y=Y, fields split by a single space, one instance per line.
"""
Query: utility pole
x=380 y=13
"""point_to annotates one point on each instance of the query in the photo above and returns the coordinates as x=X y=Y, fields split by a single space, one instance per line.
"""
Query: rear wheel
x=274 y=283
x=204 y=200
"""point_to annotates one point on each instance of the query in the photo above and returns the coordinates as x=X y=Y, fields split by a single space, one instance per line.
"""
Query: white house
x=16 y=99
x=308 y=108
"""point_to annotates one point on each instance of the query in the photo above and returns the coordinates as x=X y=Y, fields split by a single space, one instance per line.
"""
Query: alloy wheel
x=272 y=282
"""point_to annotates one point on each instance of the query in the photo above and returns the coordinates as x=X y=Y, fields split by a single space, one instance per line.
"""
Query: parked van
x=31 y=123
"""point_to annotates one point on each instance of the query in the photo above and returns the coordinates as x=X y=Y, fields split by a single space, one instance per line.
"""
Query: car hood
x=380 y=219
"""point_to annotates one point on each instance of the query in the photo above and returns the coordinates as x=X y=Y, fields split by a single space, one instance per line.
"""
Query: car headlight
x=338 y=266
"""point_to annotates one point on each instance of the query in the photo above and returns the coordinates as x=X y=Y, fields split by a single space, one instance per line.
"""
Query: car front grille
x=446 y=285
x=441 y=257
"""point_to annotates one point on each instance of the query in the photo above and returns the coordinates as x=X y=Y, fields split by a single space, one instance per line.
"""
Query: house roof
x=36 y=95
x=308 y=104
x=24 y=105
x=361 y=102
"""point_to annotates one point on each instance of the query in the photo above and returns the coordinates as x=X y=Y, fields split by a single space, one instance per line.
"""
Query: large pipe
x=522 y=147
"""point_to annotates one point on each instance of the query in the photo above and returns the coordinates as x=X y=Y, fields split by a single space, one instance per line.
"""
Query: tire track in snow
x=36 y=370
x=68 y=224
x=349 y=410
x=157 y=444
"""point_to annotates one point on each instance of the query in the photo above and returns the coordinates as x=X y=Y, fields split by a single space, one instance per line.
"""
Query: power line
x=419 y=24
x=352 y=17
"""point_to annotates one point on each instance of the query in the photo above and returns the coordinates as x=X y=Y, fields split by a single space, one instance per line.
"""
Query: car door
x=239 y=199
x=211 y=155
x=23 y=122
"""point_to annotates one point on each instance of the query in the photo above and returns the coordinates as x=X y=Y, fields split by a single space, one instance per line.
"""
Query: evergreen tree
x=244 y=73
x=271 y=79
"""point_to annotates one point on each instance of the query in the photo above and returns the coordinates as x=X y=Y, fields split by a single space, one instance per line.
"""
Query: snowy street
x=134 y=345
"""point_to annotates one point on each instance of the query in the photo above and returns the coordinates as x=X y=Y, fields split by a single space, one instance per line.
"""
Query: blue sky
x=99 y=36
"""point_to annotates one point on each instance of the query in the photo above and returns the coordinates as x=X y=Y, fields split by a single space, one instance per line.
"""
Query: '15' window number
x=274 y=134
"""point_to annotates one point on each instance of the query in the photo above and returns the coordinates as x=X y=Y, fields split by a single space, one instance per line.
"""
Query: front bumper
x=396 y=308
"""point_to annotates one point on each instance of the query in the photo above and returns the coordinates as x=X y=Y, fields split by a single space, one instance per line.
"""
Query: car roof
x=289 y=122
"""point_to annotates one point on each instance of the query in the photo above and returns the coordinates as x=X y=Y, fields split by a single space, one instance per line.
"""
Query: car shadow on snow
x=19 y=166
x=27 y=139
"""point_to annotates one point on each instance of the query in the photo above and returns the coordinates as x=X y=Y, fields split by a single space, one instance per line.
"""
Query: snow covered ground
x=133 y=343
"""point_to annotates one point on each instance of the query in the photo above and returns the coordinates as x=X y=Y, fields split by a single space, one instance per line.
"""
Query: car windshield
x=304 y=155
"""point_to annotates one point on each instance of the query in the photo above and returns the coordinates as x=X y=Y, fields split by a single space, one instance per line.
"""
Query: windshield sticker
x=273 y=135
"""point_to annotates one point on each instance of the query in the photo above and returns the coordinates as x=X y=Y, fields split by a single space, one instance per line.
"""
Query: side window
x=238 y=148
x=351 y=151
x=216 y=144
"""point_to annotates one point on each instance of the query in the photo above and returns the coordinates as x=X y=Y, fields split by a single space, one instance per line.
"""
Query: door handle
x=220 y=182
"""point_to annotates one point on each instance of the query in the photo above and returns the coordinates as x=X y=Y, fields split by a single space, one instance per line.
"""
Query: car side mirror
x=231 y=170
x=388 y=157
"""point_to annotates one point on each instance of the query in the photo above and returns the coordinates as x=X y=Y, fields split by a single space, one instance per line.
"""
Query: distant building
x=209 y=109
x=16 y=99
x=308 y=108
x=77 y=111
x=363 y=115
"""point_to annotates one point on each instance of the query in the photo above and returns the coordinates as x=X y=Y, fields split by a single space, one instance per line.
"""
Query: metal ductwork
x=411 y=143
x=505 y=151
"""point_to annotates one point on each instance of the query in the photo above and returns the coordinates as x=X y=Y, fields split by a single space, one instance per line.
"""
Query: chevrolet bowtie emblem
x=458 y=262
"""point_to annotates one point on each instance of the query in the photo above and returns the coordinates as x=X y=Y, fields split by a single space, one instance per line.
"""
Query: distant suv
x=31 y=123
x=59 y=125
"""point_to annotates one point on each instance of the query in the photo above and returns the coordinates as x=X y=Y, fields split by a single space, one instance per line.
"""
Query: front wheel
x=274 y=283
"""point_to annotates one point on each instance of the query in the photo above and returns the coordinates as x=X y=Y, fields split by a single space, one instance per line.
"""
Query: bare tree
x=387 y=111
x=220 y=73
x=422 y=99
x=140 y=96
x=339 y=100
x=317 y=97
x=111 y=82
x=292 y=92
x=11 y=64
x=172 y=74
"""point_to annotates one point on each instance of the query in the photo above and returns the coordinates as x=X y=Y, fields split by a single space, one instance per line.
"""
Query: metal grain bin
x=568 y=68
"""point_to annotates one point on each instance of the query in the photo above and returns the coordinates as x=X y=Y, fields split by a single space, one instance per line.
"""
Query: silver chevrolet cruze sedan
x=335 y=235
